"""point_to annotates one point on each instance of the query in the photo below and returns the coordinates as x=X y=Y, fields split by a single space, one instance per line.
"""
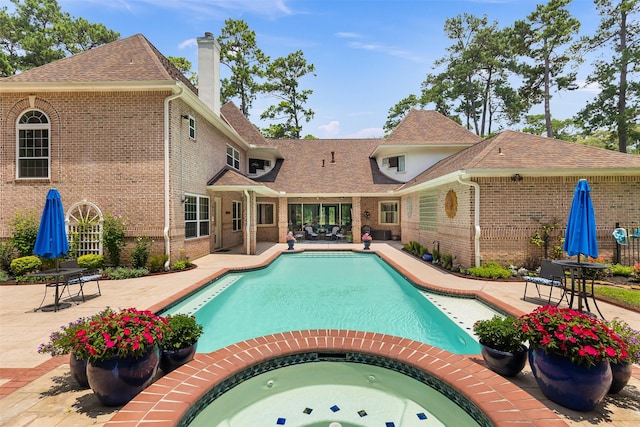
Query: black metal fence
x=628 y=253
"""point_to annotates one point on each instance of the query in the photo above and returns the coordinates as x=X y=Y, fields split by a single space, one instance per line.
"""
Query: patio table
x=580 y=272
x=58 y=279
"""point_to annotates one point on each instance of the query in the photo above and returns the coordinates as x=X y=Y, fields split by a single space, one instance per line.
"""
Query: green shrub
x=621 y=270
x=140 y=253
x=4 y=276
x=181 y=264
x=184 y=331
x=91 y=261
x=25 y=230
x=156 y=262
x=499 y=333
x=113 y=237
x=120 y=273
x=490 y=270
x=25 y=264
x=7 y=254
x=446 y=261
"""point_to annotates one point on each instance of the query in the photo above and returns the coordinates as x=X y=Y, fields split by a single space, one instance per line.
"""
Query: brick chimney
x=209 y=71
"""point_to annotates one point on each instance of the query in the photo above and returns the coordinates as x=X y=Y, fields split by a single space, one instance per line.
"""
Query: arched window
x=32 y=146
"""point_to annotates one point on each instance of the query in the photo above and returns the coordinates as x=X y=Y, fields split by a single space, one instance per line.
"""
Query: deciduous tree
x=39 y=32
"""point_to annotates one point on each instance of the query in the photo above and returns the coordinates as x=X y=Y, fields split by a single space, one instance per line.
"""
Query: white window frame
x=25 y=128
x=259 y=214
x=192 y=127
x=233 y=157
x=382 y=217
x=201 y=216
x=401 y=161
x=236 y=215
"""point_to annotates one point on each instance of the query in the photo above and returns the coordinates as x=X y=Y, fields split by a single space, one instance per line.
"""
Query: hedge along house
x=118 y=129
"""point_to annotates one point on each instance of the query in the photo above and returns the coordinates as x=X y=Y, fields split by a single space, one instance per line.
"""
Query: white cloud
x=347 y=35
x=330 y=130
x=367 y=133
x=590 y=87
x=390 y=50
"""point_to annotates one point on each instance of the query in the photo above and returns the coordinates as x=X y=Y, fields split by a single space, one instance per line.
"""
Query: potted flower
x=570 y=354
x=622 y=371
x=290 y=239
x=123 y=351
x=179 y=343
x=502 y=344
x=366 y=239
x=66 y=340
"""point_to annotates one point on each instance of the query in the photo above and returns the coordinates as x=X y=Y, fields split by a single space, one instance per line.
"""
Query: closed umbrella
x=580 y=237
x=51 y=241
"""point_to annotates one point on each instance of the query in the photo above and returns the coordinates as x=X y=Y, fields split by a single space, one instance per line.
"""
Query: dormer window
x=258 y=164
x=394 y=162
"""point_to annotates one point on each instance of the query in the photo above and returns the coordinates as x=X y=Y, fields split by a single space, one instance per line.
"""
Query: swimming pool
x=320 y=290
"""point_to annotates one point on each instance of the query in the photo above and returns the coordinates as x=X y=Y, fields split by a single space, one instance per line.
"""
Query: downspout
x=476 y=218
x=167 y=210
x=246 y=193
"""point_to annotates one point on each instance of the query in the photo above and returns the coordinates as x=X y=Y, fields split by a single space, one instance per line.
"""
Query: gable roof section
x=132 y=59
x=510 y=152
x=234 y=117
x=428 y=127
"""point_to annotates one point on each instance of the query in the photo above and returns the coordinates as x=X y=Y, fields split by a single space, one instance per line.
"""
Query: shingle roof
x=428 y=127
x=511 y=150
x=234 y=118
x=125 y=60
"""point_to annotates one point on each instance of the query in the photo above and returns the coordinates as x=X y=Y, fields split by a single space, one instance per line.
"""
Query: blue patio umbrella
x=580 y=237
x=51 y=241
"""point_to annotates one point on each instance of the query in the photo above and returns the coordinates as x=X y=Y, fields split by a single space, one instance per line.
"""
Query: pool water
x=320 y=290
x=332 y=394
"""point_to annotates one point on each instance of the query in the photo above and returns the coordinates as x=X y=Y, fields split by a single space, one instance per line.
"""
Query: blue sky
x=368 y=54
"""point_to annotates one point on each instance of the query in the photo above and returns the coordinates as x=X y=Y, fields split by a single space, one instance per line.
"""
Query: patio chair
x=335 y=233
x=311 y=235
x=81 y=279
x=551 y=275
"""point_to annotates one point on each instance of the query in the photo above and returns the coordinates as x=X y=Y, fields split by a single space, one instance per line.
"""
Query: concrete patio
x=37 y=390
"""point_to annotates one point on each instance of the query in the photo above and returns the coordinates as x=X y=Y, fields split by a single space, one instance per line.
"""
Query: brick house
x=118 y=130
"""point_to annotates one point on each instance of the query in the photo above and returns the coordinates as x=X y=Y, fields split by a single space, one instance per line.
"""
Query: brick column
x=356 y=219
x=283 y=218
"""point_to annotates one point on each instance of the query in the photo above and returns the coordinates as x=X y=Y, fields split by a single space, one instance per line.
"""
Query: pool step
x=190 y=306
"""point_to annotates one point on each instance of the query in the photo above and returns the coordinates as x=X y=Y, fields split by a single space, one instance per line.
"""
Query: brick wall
x=512 y=211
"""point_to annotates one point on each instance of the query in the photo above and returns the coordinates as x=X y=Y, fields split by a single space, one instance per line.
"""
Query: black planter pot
x=621 y=375
x=171 y=359
x=78 y=368
x=504 y=363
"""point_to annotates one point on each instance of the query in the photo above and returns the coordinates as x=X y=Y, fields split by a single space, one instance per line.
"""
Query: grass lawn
x=628 y=298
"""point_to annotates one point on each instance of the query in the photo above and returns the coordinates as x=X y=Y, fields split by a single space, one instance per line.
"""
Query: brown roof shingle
x=234 y=118
x=511 y=150
x=125 y=60
x=428 y=127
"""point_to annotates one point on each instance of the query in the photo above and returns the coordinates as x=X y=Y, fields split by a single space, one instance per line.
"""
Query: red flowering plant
x=65 y=339
x=127 y=333
x=585 y=340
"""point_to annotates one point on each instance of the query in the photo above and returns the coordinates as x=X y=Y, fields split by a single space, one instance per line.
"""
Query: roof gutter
x=476 y=219
x=167 y=198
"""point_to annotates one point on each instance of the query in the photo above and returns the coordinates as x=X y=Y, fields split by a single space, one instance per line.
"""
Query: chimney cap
x=208 y=34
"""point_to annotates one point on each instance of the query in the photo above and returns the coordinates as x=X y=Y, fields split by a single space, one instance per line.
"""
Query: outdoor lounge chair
x=310 y=233
x=551 y=275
